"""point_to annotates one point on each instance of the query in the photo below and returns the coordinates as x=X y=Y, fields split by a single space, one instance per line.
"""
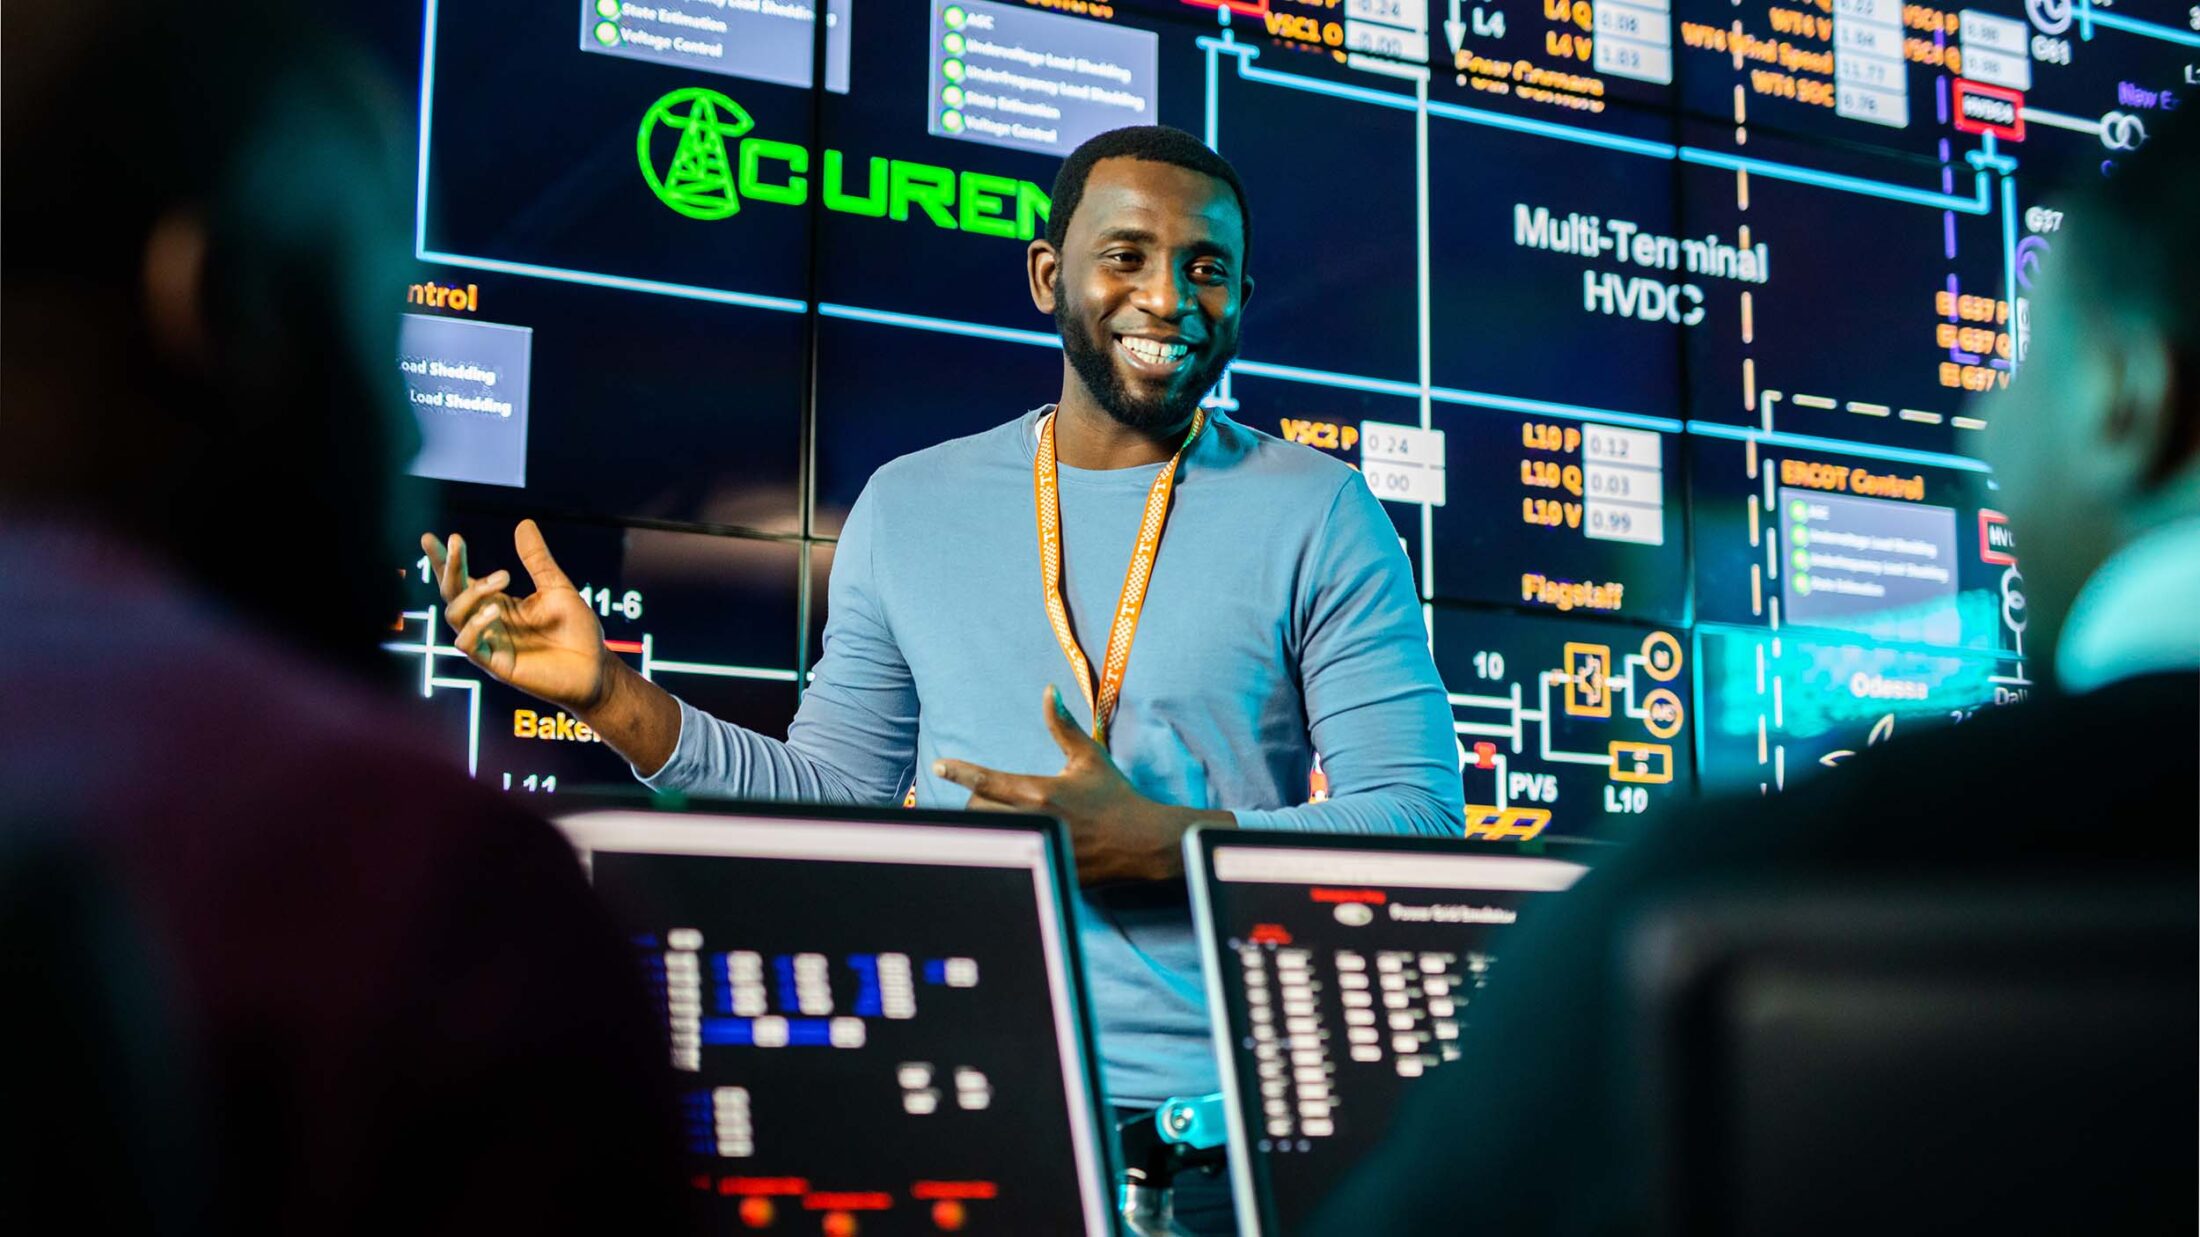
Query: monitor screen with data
x=875 y=1025
x=1341 y=973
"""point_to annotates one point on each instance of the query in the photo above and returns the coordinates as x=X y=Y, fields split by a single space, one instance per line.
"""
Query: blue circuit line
x=1545 y=128
x=1811 y=442
x=1979 y=203
x=946 y=326
x=1452 y=395
x=1214 y=126
x=1361 y=94
x=1538 y=407
x=2088 y=18
x=1989 y=157
x=1849 y=639
x=1326 y=378
x=623 y=283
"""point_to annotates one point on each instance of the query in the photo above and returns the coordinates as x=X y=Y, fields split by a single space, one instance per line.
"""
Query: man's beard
x=1095 y=365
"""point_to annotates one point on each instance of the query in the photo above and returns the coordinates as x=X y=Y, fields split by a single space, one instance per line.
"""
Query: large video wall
x=1668 y=330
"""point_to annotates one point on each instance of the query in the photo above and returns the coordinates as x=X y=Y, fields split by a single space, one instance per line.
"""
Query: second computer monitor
x=1340 y=971
x=874 y=1022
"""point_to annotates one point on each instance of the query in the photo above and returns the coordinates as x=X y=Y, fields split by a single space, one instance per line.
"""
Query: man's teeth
x=1153 y=353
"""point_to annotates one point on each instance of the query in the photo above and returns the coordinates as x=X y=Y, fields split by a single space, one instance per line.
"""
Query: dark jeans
x=1200 y=1199
x=1203 y=1205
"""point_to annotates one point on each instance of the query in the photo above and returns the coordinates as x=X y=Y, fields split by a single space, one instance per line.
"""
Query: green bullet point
x=952 y=70
x=607 y=33
x=1802 y=584
x=953 y=17
x=952 y=96
x=1799 y=508
x=607 y=9
x=1801 y=559
x=954 y=44
x=952 y=122
x=1800 y=534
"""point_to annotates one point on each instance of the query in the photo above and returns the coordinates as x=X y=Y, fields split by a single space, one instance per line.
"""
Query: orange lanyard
x=1047 y=497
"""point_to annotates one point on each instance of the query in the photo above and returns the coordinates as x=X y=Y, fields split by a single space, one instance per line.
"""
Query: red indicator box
x=1989 y=109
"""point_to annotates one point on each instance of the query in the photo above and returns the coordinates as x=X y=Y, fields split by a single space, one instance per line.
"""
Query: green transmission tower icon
x=699 y=183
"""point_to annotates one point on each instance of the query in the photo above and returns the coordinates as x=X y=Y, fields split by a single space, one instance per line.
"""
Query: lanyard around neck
x=1047 y=496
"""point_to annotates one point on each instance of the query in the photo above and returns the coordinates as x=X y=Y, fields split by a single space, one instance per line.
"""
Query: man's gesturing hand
x=1118 y=833
x=548 y=644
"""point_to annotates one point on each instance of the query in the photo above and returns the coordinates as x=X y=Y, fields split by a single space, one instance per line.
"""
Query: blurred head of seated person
x=203 y=230
x=2083 y=796
x=2096 y=443
x=396 y=1002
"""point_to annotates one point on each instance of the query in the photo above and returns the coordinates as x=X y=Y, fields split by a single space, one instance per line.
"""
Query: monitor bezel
x=1057 y=856
x=1255 y=1209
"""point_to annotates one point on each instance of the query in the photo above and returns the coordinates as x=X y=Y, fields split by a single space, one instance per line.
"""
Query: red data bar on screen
x=929 y=1190
x=849 y=1200
x=763 y=1185
x=1376 y=896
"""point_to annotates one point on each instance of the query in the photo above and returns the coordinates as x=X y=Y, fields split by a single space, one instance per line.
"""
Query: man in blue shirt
x=986 y=591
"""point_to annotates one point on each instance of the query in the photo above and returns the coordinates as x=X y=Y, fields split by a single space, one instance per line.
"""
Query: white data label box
x=1991 y=33
x=1605 y=444
x=1641 y=61
x=1625 y=21
x=1623 y=485
x=1872 y=73
x=1868 y=40
x=1608 y=483
x=1403 y=463
x=1996 y=68
x=1606 y=521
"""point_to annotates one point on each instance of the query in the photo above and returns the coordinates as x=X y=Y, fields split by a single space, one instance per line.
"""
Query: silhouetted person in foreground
x=272 y=965
x=2093 y=782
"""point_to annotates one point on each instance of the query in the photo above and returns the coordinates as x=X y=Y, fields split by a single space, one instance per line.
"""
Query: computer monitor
x=875 y=1016
x=1340 y=971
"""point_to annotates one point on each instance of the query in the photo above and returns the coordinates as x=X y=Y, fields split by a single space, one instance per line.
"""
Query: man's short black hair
x=1152 y=143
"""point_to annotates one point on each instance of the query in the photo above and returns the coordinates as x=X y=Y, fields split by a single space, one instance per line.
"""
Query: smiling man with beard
x=986 y=592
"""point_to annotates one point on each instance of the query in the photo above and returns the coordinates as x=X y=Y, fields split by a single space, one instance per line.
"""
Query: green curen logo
x=700 y=181
x=698 y=156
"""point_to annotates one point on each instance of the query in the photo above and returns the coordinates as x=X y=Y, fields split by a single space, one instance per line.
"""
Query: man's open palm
x=1117 y=833
x=547 y=644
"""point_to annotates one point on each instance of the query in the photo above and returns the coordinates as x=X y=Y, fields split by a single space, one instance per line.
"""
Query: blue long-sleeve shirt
x=1281 y=621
